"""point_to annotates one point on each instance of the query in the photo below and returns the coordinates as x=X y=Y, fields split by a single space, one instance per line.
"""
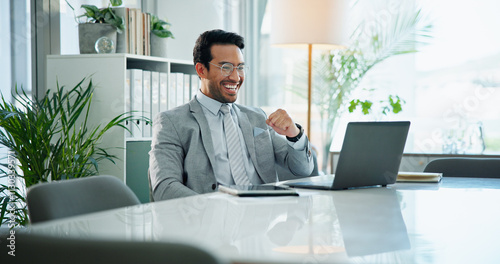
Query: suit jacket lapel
x=206 y=137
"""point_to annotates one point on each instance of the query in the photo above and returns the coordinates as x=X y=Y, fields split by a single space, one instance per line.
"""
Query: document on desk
x=257 y=190
x=419 y=177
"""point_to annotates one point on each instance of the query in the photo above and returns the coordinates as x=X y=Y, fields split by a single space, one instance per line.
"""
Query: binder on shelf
x=195 y=84
x=172 y=90
x=179 y=88
x=155 y=94
x=136 y=100
x=146 y=102
x=128 y=105
x=122 y=39
x=187 y=88
x=163 y=91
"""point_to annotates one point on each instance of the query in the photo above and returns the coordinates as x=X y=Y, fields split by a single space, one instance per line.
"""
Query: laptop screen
x=371 y=154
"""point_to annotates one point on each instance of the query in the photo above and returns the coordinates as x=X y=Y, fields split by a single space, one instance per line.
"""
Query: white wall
x=189 y=18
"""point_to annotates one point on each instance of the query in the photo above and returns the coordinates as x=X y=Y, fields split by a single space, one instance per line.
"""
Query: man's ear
x=201 y=70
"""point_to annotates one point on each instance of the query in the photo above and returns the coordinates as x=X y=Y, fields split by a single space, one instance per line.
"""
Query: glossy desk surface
x=455 y=221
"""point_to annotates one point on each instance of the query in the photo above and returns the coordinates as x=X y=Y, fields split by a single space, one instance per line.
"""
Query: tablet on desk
x=257 y=190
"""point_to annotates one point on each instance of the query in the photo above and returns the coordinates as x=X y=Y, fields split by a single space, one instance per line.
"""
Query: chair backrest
x=36 y=248
x=58 y=199
x=466 y=167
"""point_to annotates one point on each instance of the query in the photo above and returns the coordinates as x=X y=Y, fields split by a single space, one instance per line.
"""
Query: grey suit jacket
x=182 y=152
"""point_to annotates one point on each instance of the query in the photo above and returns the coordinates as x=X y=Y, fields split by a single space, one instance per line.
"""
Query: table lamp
x=304 y=23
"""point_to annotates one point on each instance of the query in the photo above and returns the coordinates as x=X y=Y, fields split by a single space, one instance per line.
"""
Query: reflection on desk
x=403 y=223
x=375 y=214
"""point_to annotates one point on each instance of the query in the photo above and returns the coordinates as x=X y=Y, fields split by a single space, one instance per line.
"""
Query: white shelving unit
x=108 y=75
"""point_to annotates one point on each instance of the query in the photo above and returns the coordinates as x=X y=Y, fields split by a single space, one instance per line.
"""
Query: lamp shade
x=319 y=22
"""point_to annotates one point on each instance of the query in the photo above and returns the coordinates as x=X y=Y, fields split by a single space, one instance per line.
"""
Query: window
x=450 y=86
x=458 y=79
x=15 y=51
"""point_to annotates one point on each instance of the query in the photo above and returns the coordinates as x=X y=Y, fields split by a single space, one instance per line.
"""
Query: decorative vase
x=158 y=46
x=89 y=33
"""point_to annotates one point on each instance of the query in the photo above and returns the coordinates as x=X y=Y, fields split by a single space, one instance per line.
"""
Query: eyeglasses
x=227 y=69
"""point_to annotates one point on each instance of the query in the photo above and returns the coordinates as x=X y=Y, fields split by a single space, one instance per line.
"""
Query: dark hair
x=201 y=51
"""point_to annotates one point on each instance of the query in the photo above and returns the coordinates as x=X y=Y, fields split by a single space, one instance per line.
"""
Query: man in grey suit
x=189 y=151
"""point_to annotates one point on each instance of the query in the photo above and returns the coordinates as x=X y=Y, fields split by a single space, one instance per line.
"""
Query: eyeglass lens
x=228 y=68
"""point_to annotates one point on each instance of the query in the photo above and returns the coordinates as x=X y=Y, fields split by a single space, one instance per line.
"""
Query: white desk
x=455 y=221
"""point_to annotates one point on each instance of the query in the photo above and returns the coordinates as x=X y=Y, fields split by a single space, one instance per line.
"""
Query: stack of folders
x=419 y=177
x=149 y=92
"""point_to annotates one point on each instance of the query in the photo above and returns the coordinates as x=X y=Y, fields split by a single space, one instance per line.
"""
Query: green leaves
x=341 y=71
x=103 y=15
x=160 y=28
x=393 y=104
x=115 y=2
x=365 y=106
x=111 y=18
x=13 y=209
x=92 y=11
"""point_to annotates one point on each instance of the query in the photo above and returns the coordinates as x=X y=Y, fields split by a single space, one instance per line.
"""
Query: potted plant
x=49 y=139
x=340 y=72
x=346 y=68
x=99 y=22
x=160 y=32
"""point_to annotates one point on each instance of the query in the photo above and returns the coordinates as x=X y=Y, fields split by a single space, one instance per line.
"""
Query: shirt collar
x=210 y=104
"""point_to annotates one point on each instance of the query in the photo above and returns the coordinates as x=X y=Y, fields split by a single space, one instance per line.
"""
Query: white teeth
x=233 y=87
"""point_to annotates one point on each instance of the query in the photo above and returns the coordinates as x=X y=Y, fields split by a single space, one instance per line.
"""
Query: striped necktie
x=234 y=148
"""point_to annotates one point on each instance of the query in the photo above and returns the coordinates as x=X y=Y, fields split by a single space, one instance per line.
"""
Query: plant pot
x=89 y=33
x=158 y=46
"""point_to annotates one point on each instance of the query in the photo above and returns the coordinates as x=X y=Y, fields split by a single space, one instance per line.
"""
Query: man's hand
x=282 y=123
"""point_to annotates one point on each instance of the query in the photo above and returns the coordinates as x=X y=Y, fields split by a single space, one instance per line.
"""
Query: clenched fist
x=282 y=123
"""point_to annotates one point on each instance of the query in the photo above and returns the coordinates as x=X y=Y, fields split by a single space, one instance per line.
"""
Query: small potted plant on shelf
x=100 y=24
x=160 y=32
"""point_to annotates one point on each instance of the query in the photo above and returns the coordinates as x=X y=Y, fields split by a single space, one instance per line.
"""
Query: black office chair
x=58 y=199
x=465 y=167
x=4 y=233
x=36 y=248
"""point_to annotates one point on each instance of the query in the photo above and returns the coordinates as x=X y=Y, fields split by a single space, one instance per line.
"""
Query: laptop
x=370 y=156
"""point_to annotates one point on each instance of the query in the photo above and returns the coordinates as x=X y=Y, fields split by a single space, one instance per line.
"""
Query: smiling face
x=214 y=84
